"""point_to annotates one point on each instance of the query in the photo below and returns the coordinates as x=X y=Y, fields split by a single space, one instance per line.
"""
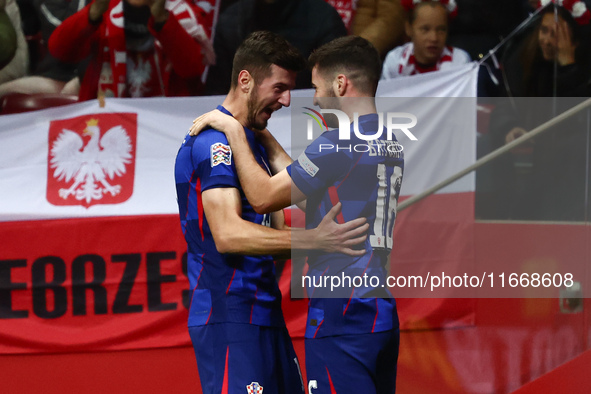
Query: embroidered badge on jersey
x=307 y=164
x=254 y=388
x=220 y=154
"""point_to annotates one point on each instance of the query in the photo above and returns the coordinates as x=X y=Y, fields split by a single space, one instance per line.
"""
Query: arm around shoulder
x=232 y=234
x=278 y=157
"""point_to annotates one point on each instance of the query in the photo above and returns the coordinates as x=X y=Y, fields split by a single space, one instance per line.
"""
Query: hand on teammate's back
x=341 y=238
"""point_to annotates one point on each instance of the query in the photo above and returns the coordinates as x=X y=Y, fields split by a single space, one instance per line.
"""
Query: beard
x=251 y=116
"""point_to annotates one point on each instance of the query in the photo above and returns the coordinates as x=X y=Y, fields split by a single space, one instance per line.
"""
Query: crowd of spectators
x=546 y=71
x=139 y=48
x=14 y=55
x=43 y=73
x=146 y=48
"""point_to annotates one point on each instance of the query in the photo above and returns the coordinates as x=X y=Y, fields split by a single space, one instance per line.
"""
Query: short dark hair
x=259 y=51
x=353 y=56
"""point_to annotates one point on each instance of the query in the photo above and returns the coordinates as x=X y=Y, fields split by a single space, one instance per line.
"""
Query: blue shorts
x=240 y=358
x=358 y=363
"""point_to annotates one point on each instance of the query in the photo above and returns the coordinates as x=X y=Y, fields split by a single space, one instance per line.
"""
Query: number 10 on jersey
x=387 y=197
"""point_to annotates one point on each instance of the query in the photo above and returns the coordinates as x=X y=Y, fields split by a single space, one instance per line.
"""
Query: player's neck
x=359 y=105
x=237 y=107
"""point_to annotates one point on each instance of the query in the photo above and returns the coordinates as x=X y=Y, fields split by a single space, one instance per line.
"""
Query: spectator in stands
x=346 y=9
x=530 y=70
x=46 y=74
x=427 y=51
x=306 y=24
x=138 y=48
x=381 y=22
x=552 y=62
x=7 y=37
x=14 y=57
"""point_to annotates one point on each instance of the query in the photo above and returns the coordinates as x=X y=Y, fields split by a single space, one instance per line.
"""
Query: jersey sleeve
x=212 y=157
x=323 y=162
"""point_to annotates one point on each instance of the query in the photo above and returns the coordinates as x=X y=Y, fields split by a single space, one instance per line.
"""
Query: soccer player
x=235 y=318
x=352 y=342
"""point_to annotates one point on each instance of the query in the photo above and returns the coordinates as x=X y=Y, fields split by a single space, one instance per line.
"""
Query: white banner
x=85 y=161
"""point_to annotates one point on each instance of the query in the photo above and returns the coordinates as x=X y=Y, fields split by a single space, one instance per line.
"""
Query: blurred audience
x=529 y=66
x=46 y=73
x=137 y=48
x=381 y=22
x=306 y=24
x=427 y=28
x=14 y=54
x=7 y=37
x=346 y=9
x=544 y=179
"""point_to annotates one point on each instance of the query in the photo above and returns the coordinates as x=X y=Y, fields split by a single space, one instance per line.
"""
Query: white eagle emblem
x=90 y=165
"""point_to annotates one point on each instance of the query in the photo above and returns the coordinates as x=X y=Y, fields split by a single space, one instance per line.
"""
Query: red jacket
x=181 y=61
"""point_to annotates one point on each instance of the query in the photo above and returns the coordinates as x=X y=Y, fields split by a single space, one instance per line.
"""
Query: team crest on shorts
x=220 y=154
x=254 y=388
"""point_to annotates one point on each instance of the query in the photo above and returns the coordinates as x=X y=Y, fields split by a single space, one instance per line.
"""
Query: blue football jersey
x=226 y=287
x=365 y=176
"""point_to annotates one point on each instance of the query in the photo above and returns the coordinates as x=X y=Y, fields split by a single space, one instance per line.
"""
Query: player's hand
x=341 y=238
x=515 y=133
x=217 y=120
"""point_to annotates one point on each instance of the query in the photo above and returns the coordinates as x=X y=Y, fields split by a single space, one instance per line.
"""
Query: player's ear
x=245 y=81
x=339 y=85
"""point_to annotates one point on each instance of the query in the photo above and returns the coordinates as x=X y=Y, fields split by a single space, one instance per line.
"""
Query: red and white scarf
x=409 y=66
x=346 y=9
x=113 y=78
